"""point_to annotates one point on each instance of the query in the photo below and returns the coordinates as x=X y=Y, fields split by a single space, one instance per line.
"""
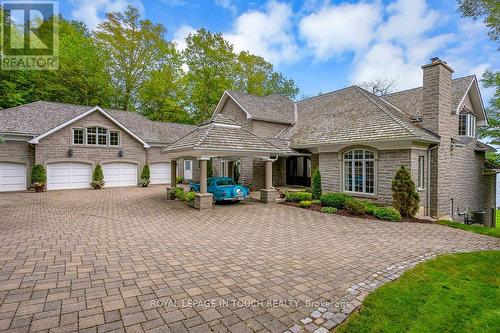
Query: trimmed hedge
x=369 y=206
x=298 y=196
x=305 y=204
x=354 y=206
x=38 y=174
x=336 y=200
x=387 y=213
x=329 y=210
x=316 y=202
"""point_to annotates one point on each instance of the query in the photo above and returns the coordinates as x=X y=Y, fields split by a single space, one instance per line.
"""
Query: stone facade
x=203 y=201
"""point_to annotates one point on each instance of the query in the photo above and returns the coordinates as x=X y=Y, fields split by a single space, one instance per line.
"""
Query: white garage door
x=68 y=175
x=160 y=173
x=120 y=174
x=12 y=177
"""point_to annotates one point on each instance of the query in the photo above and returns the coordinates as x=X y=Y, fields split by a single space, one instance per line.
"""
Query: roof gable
x=36 y=139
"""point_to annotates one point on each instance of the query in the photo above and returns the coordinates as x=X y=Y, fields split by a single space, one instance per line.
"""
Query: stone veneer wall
x=279 y=172
x=387 y=165
x=54 y=148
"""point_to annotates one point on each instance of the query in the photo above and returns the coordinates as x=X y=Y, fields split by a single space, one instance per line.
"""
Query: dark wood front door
x=298 y=171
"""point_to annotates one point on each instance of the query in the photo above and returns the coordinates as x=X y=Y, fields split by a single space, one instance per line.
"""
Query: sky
x=325 y=45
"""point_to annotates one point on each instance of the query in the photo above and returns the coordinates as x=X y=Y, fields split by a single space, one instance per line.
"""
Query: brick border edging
x=322 y=320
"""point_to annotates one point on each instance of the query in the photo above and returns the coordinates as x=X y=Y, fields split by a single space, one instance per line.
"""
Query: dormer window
x=467 y=125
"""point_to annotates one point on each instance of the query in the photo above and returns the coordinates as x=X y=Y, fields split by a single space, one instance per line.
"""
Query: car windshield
x=225 y=182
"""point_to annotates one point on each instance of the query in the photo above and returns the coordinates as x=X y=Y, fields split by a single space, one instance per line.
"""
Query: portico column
x=269 y=174
x=203 y=176
x=203 y=200
x=268 y=194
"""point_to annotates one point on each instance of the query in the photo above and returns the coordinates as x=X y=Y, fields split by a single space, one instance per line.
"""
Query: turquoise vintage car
x=223 y=189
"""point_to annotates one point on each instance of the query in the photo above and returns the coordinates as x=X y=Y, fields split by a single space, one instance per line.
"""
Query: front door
x=188 y=169
x=298 y=171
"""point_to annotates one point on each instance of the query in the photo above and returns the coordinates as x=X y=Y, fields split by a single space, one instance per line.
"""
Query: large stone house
x=357 y=140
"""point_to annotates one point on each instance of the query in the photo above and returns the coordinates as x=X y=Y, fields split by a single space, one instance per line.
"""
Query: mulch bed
x=343 y=212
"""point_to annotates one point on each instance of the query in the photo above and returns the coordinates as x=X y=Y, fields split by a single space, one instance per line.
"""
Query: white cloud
x=266 y=33
x=93 y=12
x=227 y=4
x=337 y=29
x=180 y=36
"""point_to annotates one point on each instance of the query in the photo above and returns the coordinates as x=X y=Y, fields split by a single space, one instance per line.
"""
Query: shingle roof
x=214 y=136
x=275 y=108
x=349 y=115
x=39 y=117
x=410 y=100
x=221 y=119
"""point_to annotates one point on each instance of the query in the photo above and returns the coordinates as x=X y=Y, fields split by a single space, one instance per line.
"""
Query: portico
x=222 y=137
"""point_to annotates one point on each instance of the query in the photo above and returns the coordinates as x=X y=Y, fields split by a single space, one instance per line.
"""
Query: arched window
x=359 y=171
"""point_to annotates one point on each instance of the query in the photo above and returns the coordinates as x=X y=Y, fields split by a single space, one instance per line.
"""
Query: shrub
x=405 y=197
x=38 y=174
x=387 y=213
x=368 y=206
x=305 y=204
x=179 y=179
x=316 y=202
x=144 y=182
x=354 y=206
x=329 y=210
x=146 y=174
x=189 y=196
x=178 y=193
x=334 y=200
x=298 y=196
x=316 y=185
x=97 y=177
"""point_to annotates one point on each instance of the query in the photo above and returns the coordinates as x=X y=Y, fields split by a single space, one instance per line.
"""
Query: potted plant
x=38 y=177
x=145 y=176
x=179 y=179
x=97 y=178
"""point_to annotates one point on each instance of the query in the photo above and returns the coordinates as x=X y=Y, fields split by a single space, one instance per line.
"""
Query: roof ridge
x=393 y=117
x=327 y=93
x=420 y=87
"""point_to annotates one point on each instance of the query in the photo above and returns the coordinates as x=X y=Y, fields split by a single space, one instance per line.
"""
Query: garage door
x=120 y=174
x=160 y=173
x=68 y=175
x=12 y=177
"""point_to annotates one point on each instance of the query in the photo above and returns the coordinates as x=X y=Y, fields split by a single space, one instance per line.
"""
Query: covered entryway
x=223 y=138
x=68 y=175
x=298 y=171
x=12 y=177
x=160 y=173
x=118 y=174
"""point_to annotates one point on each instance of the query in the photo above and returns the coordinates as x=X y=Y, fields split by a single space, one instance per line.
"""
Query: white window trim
x=73 y=136
x=470 y=125
x=421 y=173
x=109 y=138
x=343 y=160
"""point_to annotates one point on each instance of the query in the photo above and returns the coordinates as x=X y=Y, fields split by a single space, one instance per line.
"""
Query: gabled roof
x=218 y=135
x=350 y=115
x=37 y=118
x=411 y=100
x=273 y=108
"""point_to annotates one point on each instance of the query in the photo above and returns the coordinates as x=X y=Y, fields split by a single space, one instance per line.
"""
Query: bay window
x=359 y=171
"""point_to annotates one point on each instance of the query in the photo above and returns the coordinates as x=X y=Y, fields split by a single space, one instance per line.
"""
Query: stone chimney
x=437 y=94
x=437 y=117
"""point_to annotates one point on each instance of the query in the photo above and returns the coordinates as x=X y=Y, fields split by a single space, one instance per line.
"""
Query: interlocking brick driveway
x=94 y=260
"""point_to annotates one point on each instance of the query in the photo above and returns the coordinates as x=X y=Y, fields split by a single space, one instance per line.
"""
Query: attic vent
x=416 y=119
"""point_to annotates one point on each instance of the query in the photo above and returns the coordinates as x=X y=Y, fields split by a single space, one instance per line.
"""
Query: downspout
x=428 y=203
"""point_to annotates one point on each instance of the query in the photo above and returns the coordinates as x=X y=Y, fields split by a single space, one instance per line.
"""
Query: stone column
x=173 y=182
x=269 y=195
x=203 y=200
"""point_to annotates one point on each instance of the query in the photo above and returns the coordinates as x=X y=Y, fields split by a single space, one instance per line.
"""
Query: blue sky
x=325 y=45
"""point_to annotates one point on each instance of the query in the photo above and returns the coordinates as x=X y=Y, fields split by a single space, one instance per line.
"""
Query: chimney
x=437 y=94
x=295 y=113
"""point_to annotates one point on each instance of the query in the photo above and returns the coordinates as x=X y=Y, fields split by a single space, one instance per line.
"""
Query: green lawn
x=495 y=232
x=452 y=293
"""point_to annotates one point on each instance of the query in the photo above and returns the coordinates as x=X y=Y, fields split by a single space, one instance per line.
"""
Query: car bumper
x=234 y=198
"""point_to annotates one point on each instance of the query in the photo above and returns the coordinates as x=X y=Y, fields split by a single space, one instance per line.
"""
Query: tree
x=492 y=132
x=97 y=177
x=162 y=97
x=316 y=185
x=211 y=62
x=405 y=197
x=489 y=9
x=131 y=49
x=379 y=87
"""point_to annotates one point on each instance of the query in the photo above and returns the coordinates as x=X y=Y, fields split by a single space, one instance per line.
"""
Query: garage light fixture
x=70 y=152
x=120 y=153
